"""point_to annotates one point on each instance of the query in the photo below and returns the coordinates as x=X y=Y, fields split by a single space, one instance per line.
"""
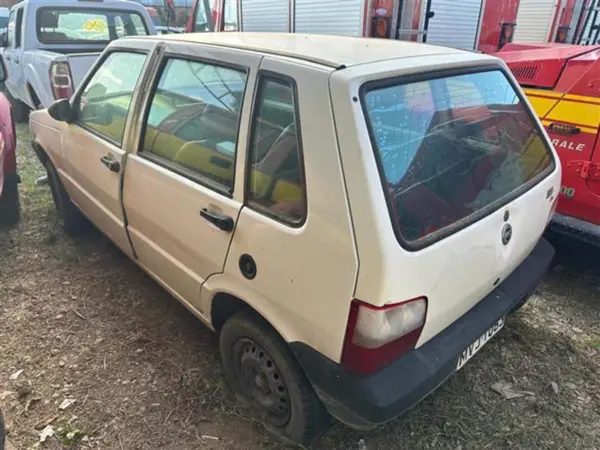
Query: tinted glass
x=451 y=147
x=105 y=101
x=193 y=120
x=68 y=25
x=276 y=177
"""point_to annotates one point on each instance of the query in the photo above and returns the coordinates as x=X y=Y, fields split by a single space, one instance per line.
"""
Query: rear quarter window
x=451 y=150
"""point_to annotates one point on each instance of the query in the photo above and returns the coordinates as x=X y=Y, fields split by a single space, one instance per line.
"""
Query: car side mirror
x=3 y=39
x=62 y=111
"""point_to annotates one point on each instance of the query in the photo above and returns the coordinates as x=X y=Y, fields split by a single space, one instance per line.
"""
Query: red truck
x=562 y=83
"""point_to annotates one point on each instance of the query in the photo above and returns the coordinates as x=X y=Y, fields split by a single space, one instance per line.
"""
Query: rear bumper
x=579 y=229
x=363 y=402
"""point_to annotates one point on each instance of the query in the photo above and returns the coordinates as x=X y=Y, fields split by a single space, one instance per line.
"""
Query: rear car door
x=182 y=196
x=93 y=145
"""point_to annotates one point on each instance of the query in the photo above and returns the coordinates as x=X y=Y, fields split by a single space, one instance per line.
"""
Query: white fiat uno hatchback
x=355 y=217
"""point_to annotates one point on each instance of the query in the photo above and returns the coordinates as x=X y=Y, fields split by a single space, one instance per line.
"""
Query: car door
x=182 y=193
x=93 y=146
x=14 y=51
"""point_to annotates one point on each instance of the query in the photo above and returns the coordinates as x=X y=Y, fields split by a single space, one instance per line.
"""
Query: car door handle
x=109 y=162
x=221 y=221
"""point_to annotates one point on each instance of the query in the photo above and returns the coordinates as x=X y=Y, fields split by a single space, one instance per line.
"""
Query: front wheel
x=69 y=216
x=10 y=207
x=265 y=376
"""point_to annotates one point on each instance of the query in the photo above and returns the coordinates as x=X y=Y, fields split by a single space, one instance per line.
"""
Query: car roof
x=328 y=50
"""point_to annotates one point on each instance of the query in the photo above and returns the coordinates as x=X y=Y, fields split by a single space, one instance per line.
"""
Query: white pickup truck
x=51 y=44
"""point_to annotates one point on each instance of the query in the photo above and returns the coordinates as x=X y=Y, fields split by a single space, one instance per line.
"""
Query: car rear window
x=451 y=150
x=86 y=25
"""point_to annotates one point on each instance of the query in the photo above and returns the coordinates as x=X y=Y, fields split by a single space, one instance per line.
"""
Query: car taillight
x=376 y=336
x=61 y=80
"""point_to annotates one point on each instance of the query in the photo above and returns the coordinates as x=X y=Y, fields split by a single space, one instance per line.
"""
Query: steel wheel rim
x=261 y=381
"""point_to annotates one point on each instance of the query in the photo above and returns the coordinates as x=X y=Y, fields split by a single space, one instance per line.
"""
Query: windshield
x=451 y=149
x=85 y=25
x=3 y=22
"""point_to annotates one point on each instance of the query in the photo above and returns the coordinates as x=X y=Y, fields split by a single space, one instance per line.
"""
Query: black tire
x=10 y=206
x=265 y=376
x=70 y=218
x=20 y=109
x=2 y=432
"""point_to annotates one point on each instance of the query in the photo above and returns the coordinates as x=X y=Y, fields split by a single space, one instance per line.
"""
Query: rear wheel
x=69 y=216
x=10 y=206
x=2 y=432
x=265 y=376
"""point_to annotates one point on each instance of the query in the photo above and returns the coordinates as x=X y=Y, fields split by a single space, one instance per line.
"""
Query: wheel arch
x=224 y=301
x=33 y=97
x=40 y=152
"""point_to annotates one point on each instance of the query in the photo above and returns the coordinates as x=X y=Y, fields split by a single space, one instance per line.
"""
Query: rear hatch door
x=462 y=189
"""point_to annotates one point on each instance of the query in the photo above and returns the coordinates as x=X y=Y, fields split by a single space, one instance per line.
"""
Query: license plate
x=470 y=351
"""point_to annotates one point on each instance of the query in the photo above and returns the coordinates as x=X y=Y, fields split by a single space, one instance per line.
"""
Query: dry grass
x=83 y=322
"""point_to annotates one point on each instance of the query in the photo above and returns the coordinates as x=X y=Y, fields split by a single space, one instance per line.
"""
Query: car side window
x=276 y=185
x=105 y=101
x=192 y=124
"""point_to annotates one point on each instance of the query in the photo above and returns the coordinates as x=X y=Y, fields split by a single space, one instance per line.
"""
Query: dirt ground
x=82 y=328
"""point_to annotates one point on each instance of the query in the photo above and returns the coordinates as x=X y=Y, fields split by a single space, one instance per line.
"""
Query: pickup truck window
x=77 y=25
x=276 y=173
x=10 y=32
x=192 y=124
x=105 y=101
x=15 y=26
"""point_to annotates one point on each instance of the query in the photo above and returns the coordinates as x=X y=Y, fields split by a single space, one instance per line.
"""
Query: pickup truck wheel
x=265 y=376
x=69 y=216
x=20 y=109
x=10 y=207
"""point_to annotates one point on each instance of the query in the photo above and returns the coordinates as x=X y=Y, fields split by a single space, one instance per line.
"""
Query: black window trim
x=18 y=38
x=81 y=90
x=265 y=211
x=179 y=169
x=84 y=9
x=432 y=238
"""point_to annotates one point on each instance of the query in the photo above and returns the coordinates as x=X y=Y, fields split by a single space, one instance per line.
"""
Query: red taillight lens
x=376 y=336
x=61 y=80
